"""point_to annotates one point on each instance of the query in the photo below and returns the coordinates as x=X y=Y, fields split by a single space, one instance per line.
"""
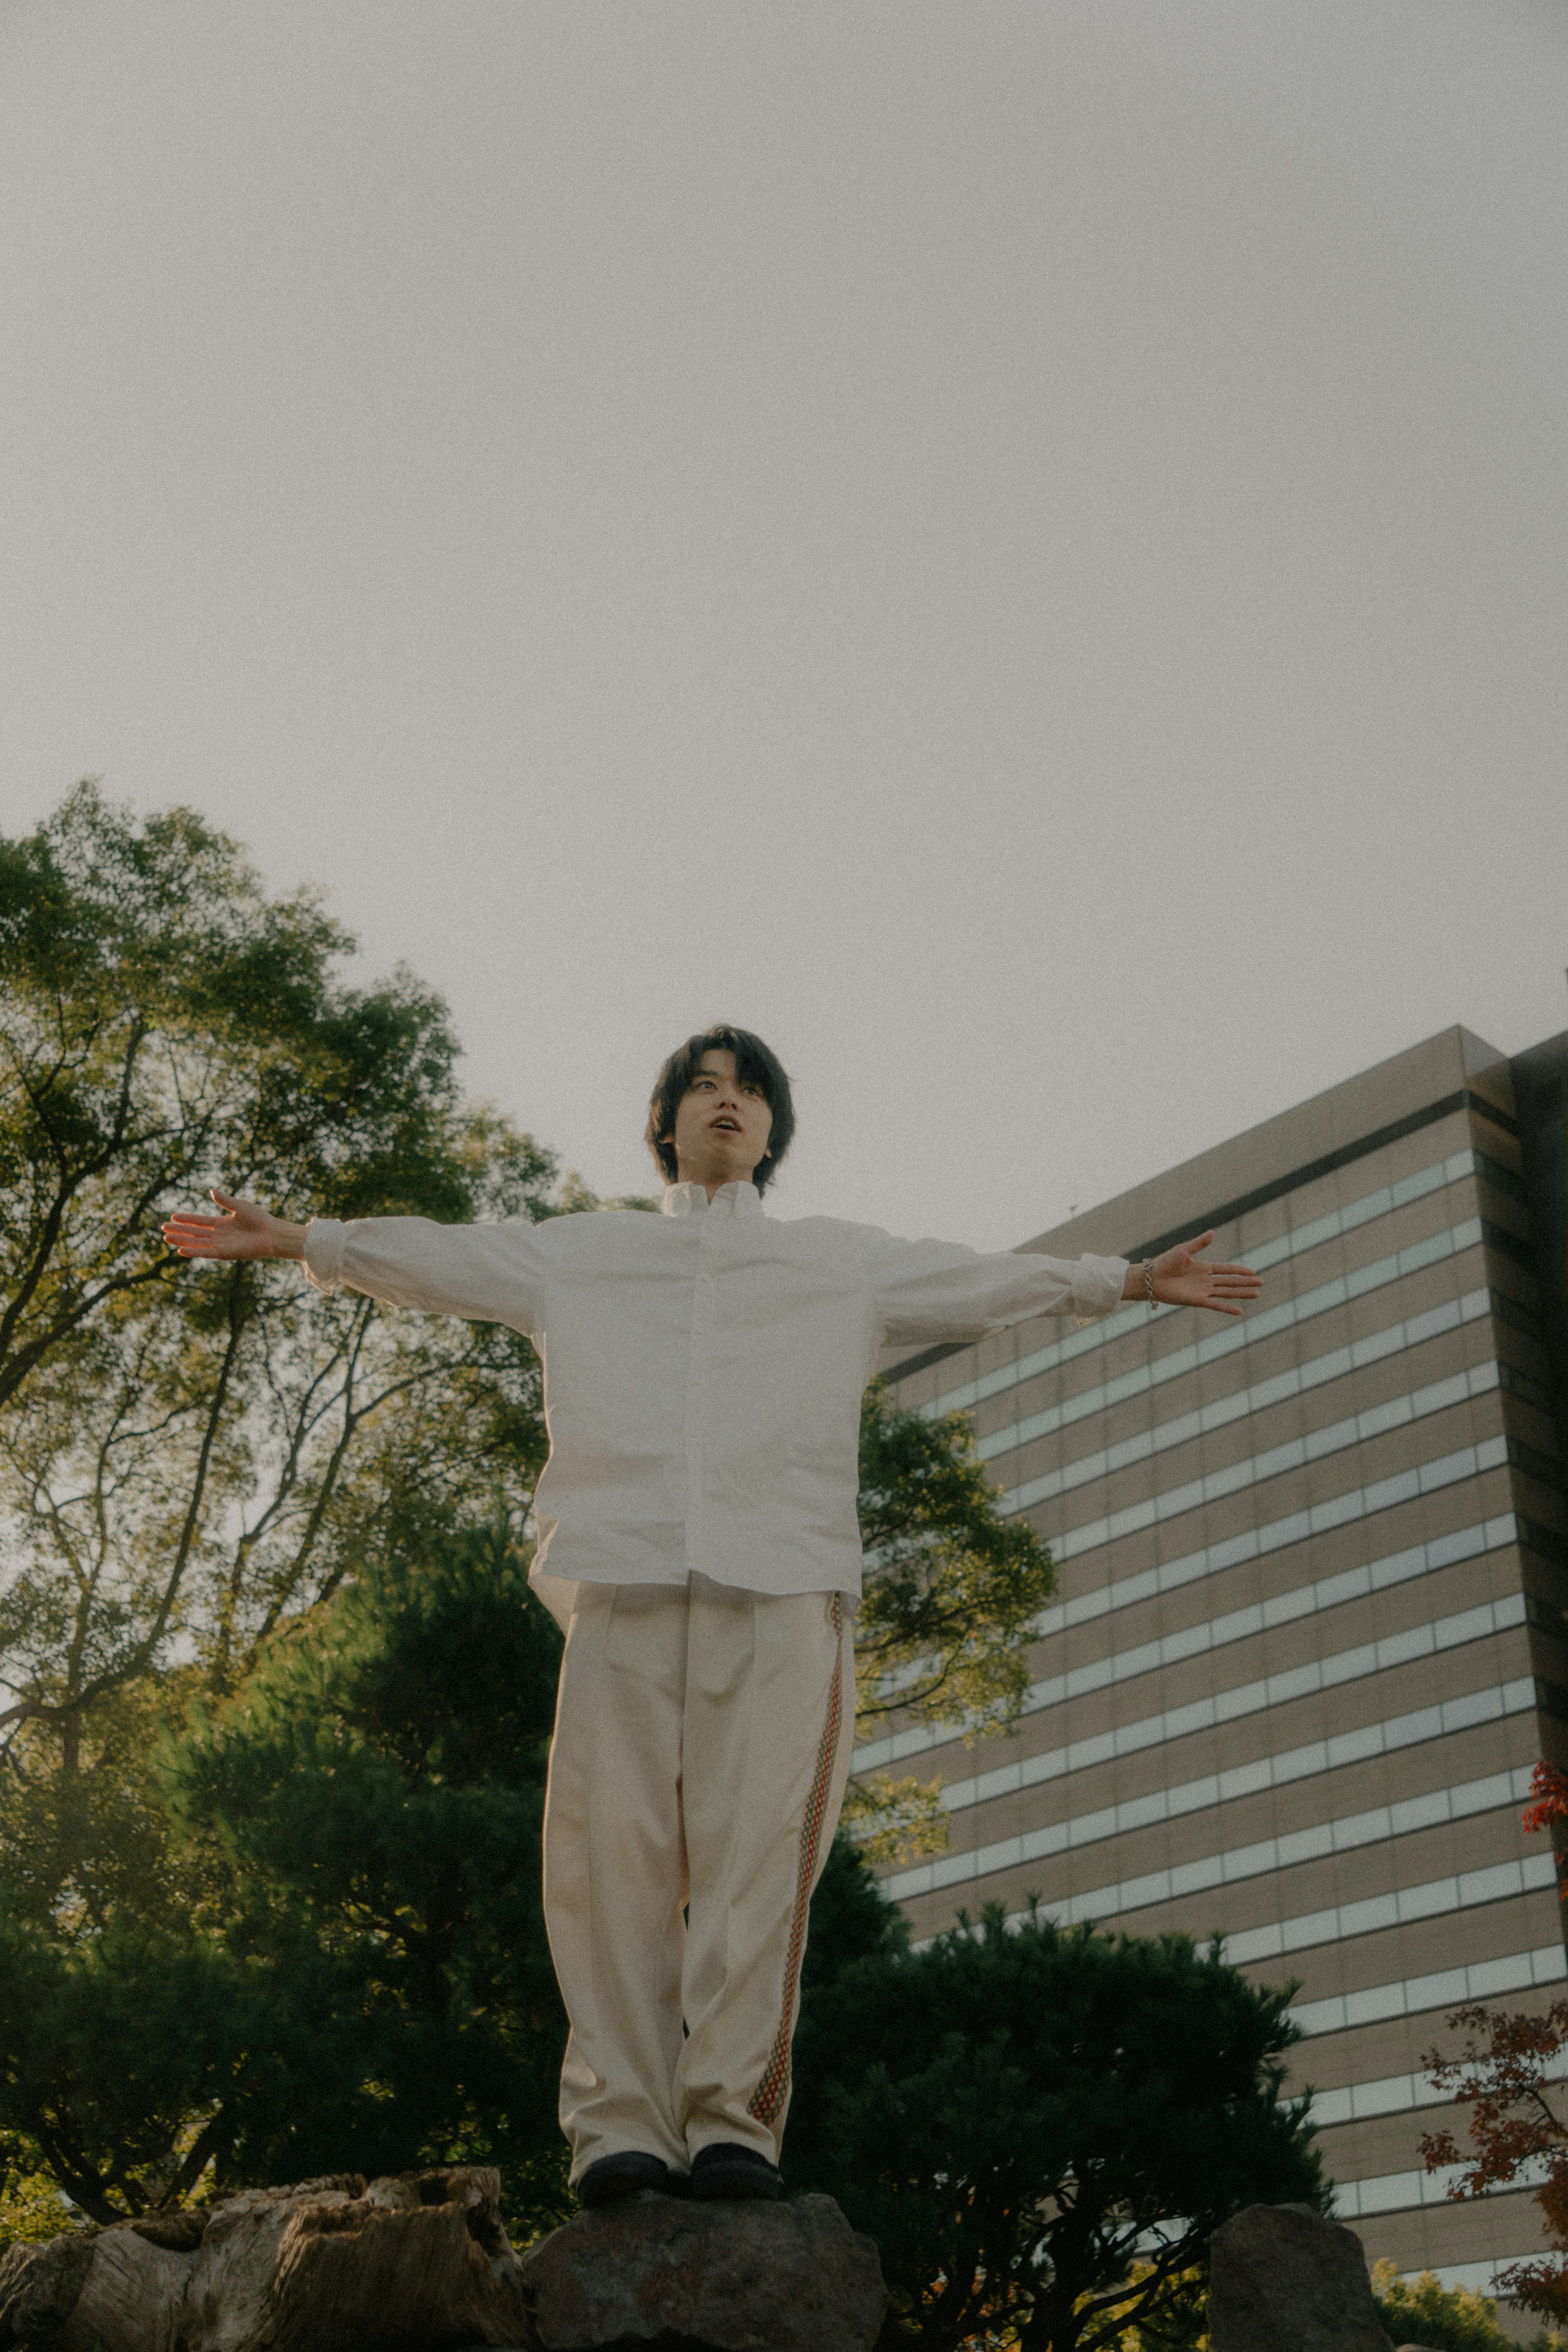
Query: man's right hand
x=242 y=1231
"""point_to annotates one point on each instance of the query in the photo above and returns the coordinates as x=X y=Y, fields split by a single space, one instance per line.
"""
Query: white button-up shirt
x=703 y=1368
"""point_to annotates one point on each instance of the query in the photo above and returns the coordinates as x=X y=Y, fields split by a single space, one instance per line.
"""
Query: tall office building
x=1309 y=1637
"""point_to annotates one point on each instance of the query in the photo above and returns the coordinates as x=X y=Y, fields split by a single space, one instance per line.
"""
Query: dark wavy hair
x=753 y=1062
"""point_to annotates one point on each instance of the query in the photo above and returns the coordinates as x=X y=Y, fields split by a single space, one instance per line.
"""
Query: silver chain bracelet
x=1149 y=1282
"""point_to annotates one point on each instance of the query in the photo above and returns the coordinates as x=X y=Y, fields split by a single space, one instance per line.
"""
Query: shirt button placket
x=697 y=1396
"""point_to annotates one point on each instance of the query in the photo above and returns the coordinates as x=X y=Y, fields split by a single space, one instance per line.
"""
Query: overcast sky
x=1016 y=549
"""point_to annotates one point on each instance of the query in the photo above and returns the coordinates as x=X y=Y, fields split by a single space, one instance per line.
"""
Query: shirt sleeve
x=490 y=1274
x=926 y=1292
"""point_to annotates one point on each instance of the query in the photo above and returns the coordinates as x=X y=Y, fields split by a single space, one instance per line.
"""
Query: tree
x=1441 y=2318
x=1501 y=2075
x=200 y=1466
x=195 y=1458
x=952 y=1592
x=852 y=1919
x=1520 y=2140
x=1041 y=2128
x=1179 y=2321
x=301 y=1929
x=357 y=1975
x=307 y=1932
x=196 y=1461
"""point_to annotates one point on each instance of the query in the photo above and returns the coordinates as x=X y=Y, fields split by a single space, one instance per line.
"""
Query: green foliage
x=375 y=1793
x=852 y=1919
x=1442 y=2318
x=1012 y=2115
x=1179 y=2321
x=31 y=2206
x=953 y=1589
x=272 y=1759
x=575 y=1194
x=195 y=1457
x=360 y=1977
x=942 y=1635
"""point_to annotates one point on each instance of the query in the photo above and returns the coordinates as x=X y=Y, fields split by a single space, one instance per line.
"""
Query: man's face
x=722 y=1124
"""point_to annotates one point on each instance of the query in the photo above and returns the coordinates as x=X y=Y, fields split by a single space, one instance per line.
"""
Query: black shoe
x=614 y=2176
x=725 y=2168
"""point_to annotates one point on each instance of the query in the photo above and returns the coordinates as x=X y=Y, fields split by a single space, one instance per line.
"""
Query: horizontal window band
x=1398 y=1907
x=1239 y=1404
x=1545 y=1468
x=1117 y=1325
x=1532 y=1392
x=1545 y=1541
x=1502 y=1180
x=1289 y=1315
x=1398 y=2192
x=1330 y=1163
x=1498 y=1882
x=1392 y=2094
x=1445 y=1989
x=1413 y=1332
x=1517 y=1316
x=1508 y=1245
x=1427 y=1639
x=1257 y=1469
x=1217 y=1789
x=1237 y=1624
x=1479 y=2278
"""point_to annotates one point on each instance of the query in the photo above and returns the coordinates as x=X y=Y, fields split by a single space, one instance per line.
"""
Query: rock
x=1281 y=2279
x=413 y=2263
x=179 y=2230
x=744 y=2277
x=223 y=2306
x=128 y=2298
x=416 y=2263
x=420 y=2262
x=109 y=2288
x=39 y=2286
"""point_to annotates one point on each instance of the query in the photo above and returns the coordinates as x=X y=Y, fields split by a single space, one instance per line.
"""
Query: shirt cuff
x=1097 y=1288
x=324 y=1241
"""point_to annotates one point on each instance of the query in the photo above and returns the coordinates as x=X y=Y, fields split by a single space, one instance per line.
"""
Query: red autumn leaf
x=1502 y=2076
x=1520 y=2141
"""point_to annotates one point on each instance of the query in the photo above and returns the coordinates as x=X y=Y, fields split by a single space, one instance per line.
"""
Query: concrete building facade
x=1310 y=1634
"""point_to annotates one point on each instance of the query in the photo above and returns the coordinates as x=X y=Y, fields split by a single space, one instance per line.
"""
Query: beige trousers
x=702 y=1745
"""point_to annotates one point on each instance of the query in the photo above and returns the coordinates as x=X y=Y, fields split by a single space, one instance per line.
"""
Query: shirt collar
x=731 y=1200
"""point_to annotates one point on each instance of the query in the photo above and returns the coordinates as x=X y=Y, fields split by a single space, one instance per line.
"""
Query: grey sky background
x=1017 y=549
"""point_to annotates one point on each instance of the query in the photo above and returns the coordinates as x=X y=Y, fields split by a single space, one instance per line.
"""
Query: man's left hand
x=1180 y=1280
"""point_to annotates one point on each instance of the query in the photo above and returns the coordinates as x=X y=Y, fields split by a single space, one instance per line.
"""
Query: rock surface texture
x=709 y=2278
x=40 y=2287
x=1281 y=2279
x=413 y=2263
x=420 y=2262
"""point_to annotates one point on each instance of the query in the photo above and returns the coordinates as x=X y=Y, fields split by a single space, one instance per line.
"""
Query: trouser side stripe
x=769 y=2095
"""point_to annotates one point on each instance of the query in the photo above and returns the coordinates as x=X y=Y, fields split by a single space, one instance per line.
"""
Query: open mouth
x=724 y=1126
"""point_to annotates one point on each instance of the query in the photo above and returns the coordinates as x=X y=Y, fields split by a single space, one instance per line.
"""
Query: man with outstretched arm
x=703 y=1374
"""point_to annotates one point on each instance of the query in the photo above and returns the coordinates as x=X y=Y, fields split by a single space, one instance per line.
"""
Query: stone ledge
x=420 y=2262
x=1284 y=2279
x=656 y=2271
